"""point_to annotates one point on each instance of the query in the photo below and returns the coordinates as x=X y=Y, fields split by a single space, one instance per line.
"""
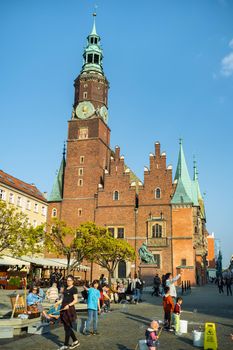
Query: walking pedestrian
x=220 y=284
x=228 y=281
x=135 y=288
x=157 y=282
x=68 y=314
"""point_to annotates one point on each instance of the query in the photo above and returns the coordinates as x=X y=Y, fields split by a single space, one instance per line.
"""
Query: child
x=176 y=315
x=53 y=313
x=152 y=335
x=93 y=306
x=168 y=307
x=106 y=298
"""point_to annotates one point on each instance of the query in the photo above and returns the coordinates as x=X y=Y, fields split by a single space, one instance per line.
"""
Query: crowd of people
x=225 y=280
x=99 y=295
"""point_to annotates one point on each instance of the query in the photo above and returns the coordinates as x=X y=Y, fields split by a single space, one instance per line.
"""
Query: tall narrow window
x=116 y=196
x=96 y=59
x=19 y=202
x=183 y=262
x=157 y=193
x=11 y=198
x=54 y=213
x=111 y=230
x=80 y=211
x=81 y=160
x=80 y=171
x=157 y=231
x=157 y=260
x=3 y=195
x=28 y=205
x=80 y=182
x=85 y=94
x=89 y=58
x=120 y=232
x=36 y=207
x=43 y=211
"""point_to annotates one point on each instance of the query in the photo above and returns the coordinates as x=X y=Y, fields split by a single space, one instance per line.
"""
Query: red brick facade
x=98 y=187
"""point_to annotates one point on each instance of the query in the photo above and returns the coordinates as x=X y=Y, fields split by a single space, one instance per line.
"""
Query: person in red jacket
x=168 y=306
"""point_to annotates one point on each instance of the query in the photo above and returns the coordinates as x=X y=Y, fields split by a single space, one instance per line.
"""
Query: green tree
x=59 y=239
x=87 y=242
x=109 y=251
x=17 y=236
x=75 y=244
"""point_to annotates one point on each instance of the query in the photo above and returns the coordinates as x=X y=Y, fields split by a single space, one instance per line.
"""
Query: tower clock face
x=104 y=113
x=85 y=109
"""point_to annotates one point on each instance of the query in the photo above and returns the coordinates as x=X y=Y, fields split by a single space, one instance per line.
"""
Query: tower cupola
x=93 y=53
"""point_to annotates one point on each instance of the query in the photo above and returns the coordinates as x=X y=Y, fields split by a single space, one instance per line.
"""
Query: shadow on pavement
x=123 y=347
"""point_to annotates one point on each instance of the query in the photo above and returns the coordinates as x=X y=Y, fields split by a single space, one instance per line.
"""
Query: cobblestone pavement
x=125 y=325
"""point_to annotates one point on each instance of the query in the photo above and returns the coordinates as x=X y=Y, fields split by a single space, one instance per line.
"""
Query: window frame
x=2 y=194
x=119 y=236
x=158 y=190
x=54 y=210
x=80 y=182
x=114 y=195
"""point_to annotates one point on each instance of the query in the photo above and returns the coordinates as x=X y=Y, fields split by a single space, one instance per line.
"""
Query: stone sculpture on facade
x=145 y=255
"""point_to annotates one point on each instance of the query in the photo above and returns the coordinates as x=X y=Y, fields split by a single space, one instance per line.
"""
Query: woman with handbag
x=68 y=313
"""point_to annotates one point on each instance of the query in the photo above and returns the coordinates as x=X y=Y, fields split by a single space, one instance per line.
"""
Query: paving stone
x=125 y=325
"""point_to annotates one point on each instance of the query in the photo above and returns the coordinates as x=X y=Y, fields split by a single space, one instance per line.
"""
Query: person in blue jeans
x=93 y=307
x=136 y=288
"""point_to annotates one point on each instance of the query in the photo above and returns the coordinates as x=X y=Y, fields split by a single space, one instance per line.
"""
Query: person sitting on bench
x=53 y=314
x=33 y=300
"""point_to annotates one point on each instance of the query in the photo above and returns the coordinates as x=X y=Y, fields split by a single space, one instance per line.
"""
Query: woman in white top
x=52 y=293
x=170 y=283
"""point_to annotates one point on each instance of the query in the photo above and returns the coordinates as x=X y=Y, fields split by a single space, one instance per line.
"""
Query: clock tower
x=88 y=150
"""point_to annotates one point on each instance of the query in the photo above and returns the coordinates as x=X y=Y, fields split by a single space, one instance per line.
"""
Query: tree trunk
x=68 y=264
x=110 y=275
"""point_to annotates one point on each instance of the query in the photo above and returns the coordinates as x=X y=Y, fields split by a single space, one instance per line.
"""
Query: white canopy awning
x=51 y=262
x=10 y=261
x=64 y=262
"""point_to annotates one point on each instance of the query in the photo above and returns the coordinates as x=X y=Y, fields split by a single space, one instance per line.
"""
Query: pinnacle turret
x=183 y=192
x=57 y=191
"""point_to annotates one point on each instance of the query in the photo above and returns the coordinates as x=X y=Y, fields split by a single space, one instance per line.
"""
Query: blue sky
x=170 y=67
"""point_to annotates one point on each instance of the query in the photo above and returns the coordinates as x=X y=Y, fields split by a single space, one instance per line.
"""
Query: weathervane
x=95 y=8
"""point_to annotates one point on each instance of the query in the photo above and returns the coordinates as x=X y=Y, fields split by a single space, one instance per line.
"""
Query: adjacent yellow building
x=26 y=197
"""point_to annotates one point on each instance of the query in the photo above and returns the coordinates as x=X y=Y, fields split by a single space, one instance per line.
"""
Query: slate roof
x=20 y=185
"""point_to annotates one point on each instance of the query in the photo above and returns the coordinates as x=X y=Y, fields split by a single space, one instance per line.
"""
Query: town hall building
x=95 y=184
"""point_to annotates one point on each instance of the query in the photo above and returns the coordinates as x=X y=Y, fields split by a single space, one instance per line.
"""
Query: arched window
x=54 y=212
x=116 y=196
x=157 y=231
x=122 y=269
x=157 y=193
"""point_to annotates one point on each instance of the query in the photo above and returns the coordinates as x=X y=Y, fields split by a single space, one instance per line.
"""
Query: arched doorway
x=122 y=269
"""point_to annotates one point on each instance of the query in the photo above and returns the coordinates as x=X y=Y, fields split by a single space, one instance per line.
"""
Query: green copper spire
x=57 y=190
x=93 y=32
x=93 y=54
x=184 y=190
x=197 y=190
